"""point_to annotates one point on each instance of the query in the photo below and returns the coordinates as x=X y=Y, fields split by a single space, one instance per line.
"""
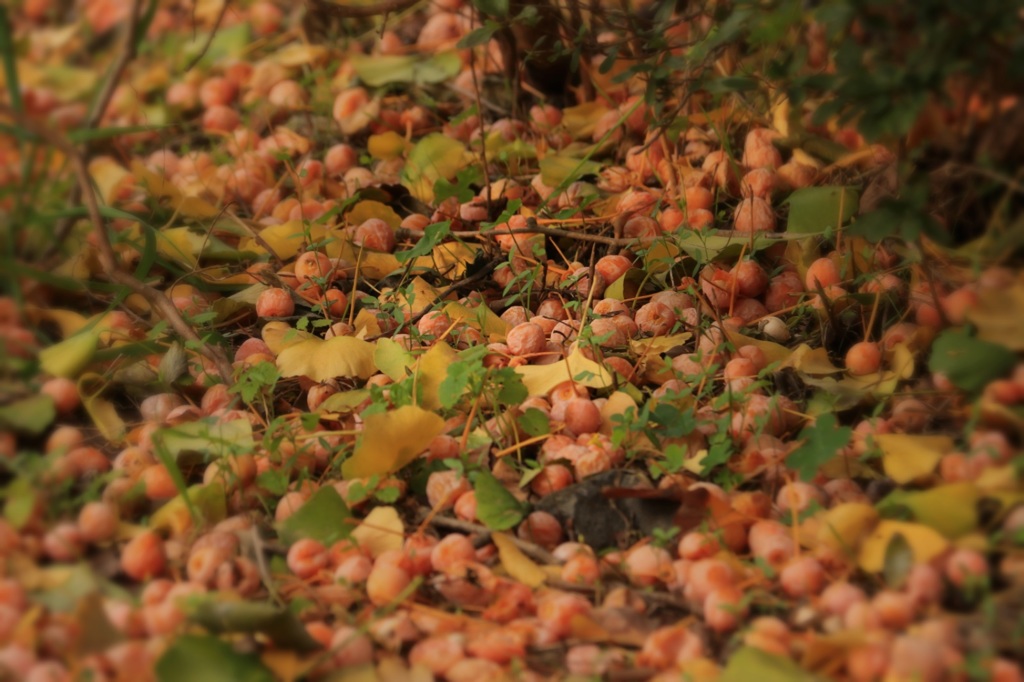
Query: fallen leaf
x=200 y=506
x=970 y=363
x=817 y=209
x=431 y=370
x=950 y=509
x=540 y=379
x=519 y=566
x=843 y=527
x=378 y=70
x=391 y=440
x=31 y=415
x=279 y=335
x=617 y=404
x=393 y=359
x=925 y=542
x=999 y=316
x=907 y=457
x=320 y=360
x=750 y=663
x=495 y=506
x=102 y=412
x=205 y=658
x=434 y=157
x=382 y=530
x=367 y=209
x=324 y=517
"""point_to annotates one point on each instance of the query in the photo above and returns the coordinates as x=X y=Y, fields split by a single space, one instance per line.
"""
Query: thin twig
x=108 y=259
x=126 y=55
x=209 y=38
x=530 y=549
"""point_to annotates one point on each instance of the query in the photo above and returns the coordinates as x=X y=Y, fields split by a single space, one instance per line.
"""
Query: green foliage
x=495 y=506
x=821 y=441
x=968 y=362
x=323 y=517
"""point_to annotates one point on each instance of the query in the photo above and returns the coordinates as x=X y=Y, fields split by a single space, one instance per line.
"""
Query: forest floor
x=319 y=363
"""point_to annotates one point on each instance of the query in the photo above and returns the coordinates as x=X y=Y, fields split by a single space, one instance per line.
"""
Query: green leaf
x=534 y=422
x=324 y=517
x=455 y=382
x=821 y=442
x=495 y=506
x=219 y=615
x=210 y=437
x=968 y=362
x=19 y=501
x=228 y=42
x=557 y=169
x=30 y=415
x=814 y=210
x=750 y=663
x=479 y=36
x=432 y=234
x=899 y=559
x=203 y=658
x=494 y=8
x=435 y=156
x=378 y=70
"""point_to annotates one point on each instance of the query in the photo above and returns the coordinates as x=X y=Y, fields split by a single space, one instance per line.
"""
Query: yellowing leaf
x=581 y=120
x=811 y=360
x=380 y=531
x=299 y=54
x=773 y=352
x=387 y=145
x=185 y=246
x=107 y=174
x=367 y=209
x=206 y=501
x=617 y=403
x=422 y=296
x=479 y=317
x=907 y=457
x=320 y=360
x=392 y=358
x=845 y=526
x=519 y=566
x=925 y=543
x=950 y=509
x=450 y=258
x=391 y=440
x=431 y=370
x=901 y=360
x=102 y=412
x=434 y=157
x=366 y=324
x=158 y=186
x=540 y=379
x=279 y=335
x=285 y=240
x=658 y=344
x=69 y=321
x=70 y=356
x=999 y=316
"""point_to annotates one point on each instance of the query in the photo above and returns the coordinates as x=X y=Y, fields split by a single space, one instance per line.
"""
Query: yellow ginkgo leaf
x=481 y=318
x=320 y=360
x=811 y=360
x=431 y=370
x=364 y=210
x=393 y=359
x=391 y=440
x=102 y=412
x=999 y=316
x=950 y=509
x=380 y=531
x=907 y=457
x=279 y=335
x=658 y=344
x=285 y=240
x=843 y=527
x=540 y=379
x=617 y=403
x=386 y=145
x=925 y=543
x=519 y=566
x=158 y=186
x=107 y=174
x=773 y=352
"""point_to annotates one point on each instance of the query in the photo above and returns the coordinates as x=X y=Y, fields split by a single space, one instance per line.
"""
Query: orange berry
x=863 y=358
x=275 y=302
x=375 y=234
x=143 y=557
